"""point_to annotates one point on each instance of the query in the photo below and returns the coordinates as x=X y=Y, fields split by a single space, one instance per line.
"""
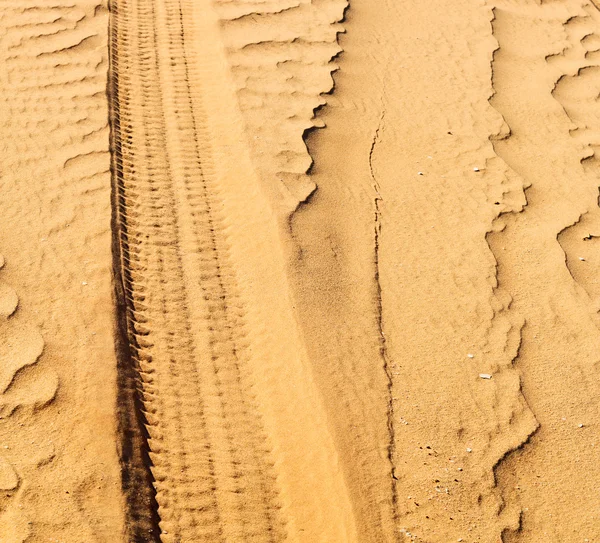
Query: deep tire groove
x=142 y=519
x=207 y=451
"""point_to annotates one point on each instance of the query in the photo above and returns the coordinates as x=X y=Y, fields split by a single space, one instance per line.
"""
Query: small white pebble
x=475 y=169
x=471 y=355
x=84 y=283
x=485 y=376
x=582 y=259
x=469 y=449
x=580 y=425
x=459 y=469
x=419 y=173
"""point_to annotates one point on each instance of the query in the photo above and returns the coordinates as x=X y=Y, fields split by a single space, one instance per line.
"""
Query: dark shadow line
x=141 y=514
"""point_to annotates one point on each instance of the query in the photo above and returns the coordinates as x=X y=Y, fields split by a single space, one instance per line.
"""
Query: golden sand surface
x=299 y=270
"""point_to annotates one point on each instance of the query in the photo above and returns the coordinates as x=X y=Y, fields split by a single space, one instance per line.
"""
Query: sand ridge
x=280 y=55
x=562 y=310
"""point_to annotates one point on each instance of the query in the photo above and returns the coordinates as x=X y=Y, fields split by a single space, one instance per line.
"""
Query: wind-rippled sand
x=299 y=270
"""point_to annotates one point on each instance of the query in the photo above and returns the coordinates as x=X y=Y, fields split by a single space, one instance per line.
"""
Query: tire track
x=185 y=323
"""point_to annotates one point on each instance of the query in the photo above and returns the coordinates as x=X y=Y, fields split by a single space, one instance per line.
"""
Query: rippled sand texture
x=300 y=270
x=463 y=133
x=59 y=471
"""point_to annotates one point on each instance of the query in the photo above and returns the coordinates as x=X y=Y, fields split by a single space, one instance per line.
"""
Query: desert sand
x=299 y=270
